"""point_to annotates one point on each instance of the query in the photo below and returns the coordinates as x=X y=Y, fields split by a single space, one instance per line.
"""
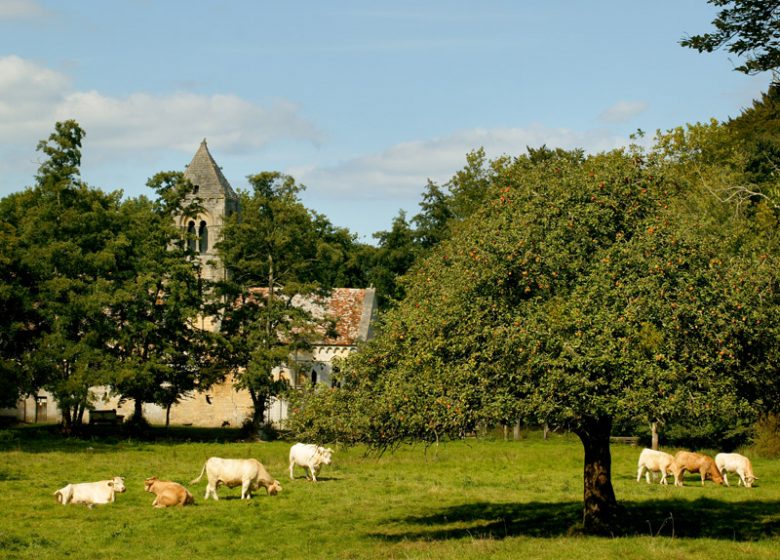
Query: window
x=191 y=241
x=203 y=238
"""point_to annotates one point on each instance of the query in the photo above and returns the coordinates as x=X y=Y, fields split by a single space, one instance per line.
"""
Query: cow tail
x=200 y=476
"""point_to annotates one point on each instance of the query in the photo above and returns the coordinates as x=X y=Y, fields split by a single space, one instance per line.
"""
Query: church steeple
x=204 y=172
x=218 y=200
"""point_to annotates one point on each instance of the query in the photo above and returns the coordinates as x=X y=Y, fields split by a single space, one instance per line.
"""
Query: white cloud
x=33 y=98
x=622 y=112
x=404 y=169
x=21 y=9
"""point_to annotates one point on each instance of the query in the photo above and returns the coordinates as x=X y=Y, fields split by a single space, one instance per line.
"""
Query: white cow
x=734 y=462
x=91 y=493
x=311 y=457
x=657 y=461
x=249 y=474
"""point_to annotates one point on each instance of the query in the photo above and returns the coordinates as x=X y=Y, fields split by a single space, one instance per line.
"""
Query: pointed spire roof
x=204 y=172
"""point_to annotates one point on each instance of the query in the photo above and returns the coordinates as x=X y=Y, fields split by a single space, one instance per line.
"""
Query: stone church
x=353 y=310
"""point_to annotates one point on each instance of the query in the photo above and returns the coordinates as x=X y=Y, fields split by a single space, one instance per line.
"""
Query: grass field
x=482 y=498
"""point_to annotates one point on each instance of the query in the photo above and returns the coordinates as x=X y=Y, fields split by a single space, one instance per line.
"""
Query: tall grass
x=470 y=499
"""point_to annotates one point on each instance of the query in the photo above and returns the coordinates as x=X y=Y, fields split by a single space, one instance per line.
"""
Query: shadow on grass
x=701 y=518
x=47 y=438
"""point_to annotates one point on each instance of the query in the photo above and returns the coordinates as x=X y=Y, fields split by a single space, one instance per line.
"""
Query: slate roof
x=204 y=172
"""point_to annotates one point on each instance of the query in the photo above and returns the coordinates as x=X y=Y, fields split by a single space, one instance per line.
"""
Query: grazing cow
x=734 y=462
x=700 y=463
x=311 y=457
x=91 y=493
x=657 y=461
x=167 y=493
x=250 y=474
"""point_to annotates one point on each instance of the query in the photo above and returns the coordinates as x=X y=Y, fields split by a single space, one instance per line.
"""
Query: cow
x=91 y=493
x=700 y=463
x=657 y=461
x=250 y=474
x=734 y=462
x=167 y=493
x=311 y=457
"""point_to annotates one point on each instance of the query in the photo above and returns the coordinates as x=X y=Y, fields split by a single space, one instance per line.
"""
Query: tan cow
x=167 y=493
x=250 y=474
x=700 y=463
x=91 y=493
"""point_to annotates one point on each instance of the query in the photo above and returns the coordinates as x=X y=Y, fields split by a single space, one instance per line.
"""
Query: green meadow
x=479 y=498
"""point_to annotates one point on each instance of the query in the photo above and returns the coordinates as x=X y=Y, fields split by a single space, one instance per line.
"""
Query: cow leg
x=703 y=476
x=663 y=477
x=313 y=471
x=725 y=477
x=292 y=466
x=246 y=489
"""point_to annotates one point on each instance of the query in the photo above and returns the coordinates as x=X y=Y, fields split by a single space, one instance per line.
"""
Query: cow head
x=118 y=483
x=749 y=479
x=326 y=455
x=714 y=474
x=274 y=488
x=149 y=482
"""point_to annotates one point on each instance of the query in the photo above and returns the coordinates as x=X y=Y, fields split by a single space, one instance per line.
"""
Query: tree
x=749 y=28
x=583 y=291
x=159 y=348
x=61 y=239
x=275 y=251
x=396 y=252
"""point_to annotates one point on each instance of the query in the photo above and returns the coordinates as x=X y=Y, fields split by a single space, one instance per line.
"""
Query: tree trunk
x=600 y=505
x=168 y=415
x=258 y=410
x=654 y=432
x=138 y=411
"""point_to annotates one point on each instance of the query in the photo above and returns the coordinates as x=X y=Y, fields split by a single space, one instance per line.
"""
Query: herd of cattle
x=249 y=474
x=717 y=469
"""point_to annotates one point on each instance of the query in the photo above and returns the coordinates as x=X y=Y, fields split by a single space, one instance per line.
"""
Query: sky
x=362 y=102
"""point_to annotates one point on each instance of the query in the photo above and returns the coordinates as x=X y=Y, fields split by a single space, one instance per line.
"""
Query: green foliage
x=749 y=28
x=275 y=250
x=62 y=244
x=160 y=351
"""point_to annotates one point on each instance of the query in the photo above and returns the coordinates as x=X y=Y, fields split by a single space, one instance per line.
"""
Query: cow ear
x=111 y=483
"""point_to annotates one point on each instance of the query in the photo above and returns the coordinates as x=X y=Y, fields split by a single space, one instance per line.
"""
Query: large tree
x=159 y=348
x=585 y=290
x=61 y=241
x=278 y=254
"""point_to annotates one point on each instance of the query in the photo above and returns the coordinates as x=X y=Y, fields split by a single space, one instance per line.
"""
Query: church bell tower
x=219 y=201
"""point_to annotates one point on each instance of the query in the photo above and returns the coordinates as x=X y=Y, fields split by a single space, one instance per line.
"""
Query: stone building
x=353 y=311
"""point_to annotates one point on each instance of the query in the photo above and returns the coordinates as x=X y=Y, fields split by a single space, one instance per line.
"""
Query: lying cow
x=91 y=493
x=734 y=462
x=700 y=463
x=168 y=493
x=657 y=461
x=311 y=457
x=250 y=474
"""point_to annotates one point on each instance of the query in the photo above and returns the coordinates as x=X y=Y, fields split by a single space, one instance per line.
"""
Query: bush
x=766 y=442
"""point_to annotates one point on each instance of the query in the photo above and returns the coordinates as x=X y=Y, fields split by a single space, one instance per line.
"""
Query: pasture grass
x=485 y=498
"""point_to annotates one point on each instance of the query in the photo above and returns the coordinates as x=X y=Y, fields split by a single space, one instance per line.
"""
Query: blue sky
x=362 y=102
